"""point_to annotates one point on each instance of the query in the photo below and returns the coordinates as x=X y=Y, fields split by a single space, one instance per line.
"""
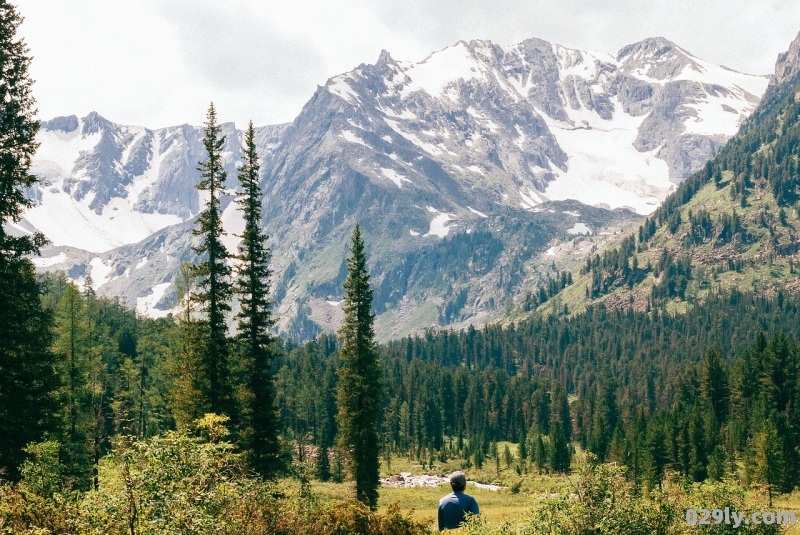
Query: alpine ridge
x=731 y=227
x=487 y=158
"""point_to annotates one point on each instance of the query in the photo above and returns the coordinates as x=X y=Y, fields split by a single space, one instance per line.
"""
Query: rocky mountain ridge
x=476 y=138
x=731 y=226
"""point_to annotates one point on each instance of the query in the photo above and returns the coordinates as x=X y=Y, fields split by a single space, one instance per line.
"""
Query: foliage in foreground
x=601 y=501
x=182 y=483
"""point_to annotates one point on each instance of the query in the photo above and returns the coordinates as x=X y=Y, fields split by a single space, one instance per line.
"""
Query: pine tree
x=360 y=386
x=619 y=450
x=654 y=455
x=18 y=130
x=540 y=454
x=27 y=377
x=714 y=388
x=187 y=400
x=256 y=344
x=767 y=457
x=698 y=453
x=523 y=448
x=73 y=348
x=606 y=416
x=559 y=454
x=323 y=466
x=215 y=289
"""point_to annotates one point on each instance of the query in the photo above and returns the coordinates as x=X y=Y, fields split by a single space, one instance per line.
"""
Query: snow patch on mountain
x=395 y=177
x=66 y=221
x=604 y=168
x=704 y=72
x=531 y=198
x=349 y=135
x=439 y=225
x=62 y=149
x=100 y=272
x=476 y=212
x=579 y=228
x=339 y=86
x=440 y=69
x=42 y=262
x=233 y=224
x=147 y=305
x=427 y=147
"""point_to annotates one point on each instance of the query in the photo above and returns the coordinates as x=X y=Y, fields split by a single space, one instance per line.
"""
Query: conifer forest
x=653 y=378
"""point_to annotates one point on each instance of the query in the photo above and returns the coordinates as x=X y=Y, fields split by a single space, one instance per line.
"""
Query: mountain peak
x=655 y=58
x=66 y=124
x=651 y=45
x=385 y=57
x=787 y=67
x=94 y=122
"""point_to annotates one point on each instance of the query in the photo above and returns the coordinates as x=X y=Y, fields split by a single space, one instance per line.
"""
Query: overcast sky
x=160 y=62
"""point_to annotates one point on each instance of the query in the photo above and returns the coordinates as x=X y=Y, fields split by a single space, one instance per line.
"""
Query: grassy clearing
x=496 y=506
x=499 y=506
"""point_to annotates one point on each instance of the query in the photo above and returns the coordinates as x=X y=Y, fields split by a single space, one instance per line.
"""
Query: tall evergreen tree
x=190 y=382
x=259 y=415
x=214 y=285
x=654 y=455
x=27 y=376
x=559 y=454
x=767 y=458
x=714 y=388
x=605 y=420
x=73 y=345
x=360 y=386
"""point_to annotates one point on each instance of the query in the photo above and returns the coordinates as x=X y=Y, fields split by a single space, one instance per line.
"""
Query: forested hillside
x=618 y=383
x=606 y=379
x=734 y=224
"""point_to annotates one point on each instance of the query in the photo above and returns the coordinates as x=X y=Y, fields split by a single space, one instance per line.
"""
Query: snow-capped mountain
x=105 y=185
x=550 y=122
x=469 y=139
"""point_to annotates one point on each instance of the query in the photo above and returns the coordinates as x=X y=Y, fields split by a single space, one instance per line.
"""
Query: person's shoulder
x=446 y=498
x=468 y=498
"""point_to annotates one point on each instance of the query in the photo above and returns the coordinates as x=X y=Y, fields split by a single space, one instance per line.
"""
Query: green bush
x=601 y=501
x=179 y=483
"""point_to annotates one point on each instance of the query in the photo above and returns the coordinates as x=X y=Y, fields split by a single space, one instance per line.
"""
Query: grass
x=789 y=502
x=496 y=506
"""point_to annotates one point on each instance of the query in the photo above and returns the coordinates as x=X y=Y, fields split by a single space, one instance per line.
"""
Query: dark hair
x=458 y=481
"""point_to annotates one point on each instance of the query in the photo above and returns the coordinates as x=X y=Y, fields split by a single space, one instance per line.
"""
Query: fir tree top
x=18 y=129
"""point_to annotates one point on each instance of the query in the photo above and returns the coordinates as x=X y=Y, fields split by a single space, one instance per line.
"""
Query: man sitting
x=453 y=506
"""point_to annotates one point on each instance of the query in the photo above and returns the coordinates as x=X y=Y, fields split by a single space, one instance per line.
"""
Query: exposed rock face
x=787 y=68
x=477 y=137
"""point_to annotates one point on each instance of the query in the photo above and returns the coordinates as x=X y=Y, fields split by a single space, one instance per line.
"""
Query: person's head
x=458 y=481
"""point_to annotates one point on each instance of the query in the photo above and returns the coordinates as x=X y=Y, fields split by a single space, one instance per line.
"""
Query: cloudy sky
x=160 y=62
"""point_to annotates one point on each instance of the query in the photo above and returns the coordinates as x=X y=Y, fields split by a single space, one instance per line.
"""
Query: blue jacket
x=452 y=508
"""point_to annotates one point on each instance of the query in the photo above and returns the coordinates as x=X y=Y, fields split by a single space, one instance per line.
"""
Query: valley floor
x=505 y=510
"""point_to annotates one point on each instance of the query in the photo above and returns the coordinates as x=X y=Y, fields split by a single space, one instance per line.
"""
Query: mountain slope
x=735 y=224
x=478 y=138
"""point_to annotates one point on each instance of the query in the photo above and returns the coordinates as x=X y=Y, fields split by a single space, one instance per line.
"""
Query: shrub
x=182 y=484
x=601 y=501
